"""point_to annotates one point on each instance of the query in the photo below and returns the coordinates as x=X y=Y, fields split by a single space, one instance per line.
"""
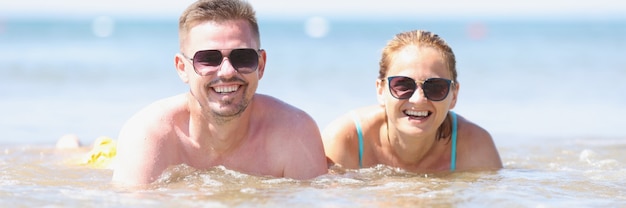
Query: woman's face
x=416 y=115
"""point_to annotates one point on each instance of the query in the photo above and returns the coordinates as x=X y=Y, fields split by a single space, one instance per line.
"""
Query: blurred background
x=528 y=69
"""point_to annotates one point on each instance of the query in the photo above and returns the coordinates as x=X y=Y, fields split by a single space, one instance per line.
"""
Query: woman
x=412 y=127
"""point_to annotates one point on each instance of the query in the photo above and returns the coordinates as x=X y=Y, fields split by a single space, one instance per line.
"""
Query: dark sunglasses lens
x=207 y=58
x=402 y=87
x=436 y=89
x=244 y=60
x=206 y=62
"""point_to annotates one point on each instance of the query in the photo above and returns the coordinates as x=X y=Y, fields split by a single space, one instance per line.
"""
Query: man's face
x=224 y=93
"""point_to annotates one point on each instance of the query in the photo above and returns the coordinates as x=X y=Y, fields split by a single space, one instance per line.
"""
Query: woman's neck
x=405 y=150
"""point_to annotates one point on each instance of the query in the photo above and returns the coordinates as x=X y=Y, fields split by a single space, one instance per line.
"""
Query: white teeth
x=226 y=89
x=416 y=113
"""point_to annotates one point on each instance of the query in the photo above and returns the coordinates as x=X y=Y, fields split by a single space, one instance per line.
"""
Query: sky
x=336 y=8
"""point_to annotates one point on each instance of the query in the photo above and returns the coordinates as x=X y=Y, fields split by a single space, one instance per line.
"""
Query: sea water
x=550 y=92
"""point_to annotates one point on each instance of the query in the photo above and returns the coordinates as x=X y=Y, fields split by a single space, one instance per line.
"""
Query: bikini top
x=454 y=133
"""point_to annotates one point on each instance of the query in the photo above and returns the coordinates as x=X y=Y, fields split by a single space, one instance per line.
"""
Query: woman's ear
x=180 y=63
x=380 y=92
x=455 y=94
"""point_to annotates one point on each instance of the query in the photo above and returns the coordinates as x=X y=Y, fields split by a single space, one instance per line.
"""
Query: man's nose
x=226 y=69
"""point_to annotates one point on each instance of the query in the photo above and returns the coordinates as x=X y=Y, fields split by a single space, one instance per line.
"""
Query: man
x=221 y=121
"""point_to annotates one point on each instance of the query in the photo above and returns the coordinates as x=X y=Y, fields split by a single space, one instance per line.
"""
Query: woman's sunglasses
x=435 y=89
x=207 y=62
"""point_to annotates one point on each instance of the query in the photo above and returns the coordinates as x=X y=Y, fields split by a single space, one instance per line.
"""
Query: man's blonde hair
x=217 y=11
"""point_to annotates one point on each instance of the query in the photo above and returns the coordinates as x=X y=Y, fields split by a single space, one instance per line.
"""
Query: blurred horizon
x=347 y=9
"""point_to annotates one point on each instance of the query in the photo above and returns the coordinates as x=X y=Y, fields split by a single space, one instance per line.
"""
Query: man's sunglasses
x=207 y=62
x=435 y=89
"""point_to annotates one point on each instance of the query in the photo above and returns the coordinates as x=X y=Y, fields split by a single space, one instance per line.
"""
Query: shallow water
x=585 y=172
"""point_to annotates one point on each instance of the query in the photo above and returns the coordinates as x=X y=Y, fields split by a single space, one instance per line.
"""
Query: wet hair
x=217 y=11
x=421 y=38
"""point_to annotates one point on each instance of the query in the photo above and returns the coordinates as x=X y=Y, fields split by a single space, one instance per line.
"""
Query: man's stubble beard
x=224 y=117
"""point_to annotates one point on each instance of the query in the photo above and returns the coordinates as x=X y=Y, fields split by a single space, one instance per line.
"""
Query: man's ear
x=262 y=61
x=180 y=63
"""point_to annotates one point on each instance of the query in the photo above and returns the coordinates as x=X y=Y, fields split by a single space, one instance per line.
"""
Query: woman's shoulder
x=471 y=130
x=370 y=117
x=341 y=136
x=364 y=118
x=476 y=147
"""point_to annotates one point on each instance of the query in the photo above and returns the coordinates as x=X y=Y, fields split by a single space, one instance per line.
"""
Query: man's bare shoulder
x=283 y=121
x=278 y=110
x=145 y=142
x=292 y=136
x=158 y=116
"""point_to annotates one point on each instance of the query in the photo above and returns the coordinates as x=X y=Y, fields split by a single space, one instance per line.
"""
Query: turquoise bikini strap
x=454 y=133
x=357 y=124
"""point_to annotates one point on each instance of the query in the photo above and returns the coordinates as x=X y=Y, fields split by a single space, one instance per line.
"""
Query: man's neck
x=217 y=135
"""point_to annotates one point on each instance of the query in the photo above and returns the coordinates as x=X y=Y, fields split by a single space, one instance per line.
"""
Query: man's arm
x=139 y=159
x=305 y=157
